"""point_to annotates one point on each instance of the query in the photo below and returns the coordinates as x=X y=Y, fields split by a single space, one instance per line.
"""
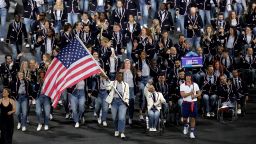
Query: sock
x=192 y=130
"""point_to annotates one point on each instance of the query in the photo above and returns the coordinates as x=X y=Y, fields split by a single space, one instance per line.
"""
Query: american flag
x=72 y=65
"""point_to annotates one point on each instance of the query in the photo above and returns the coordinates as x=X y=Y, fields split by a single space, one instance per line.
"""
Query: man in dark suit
x=118 y=40
x=119 y=15
x=133 y=8
x=194 y=26
x=249 y=65
x=241 y=91
x=9 y=70
x=165 y=18
x=30 y=11
x=14 y=36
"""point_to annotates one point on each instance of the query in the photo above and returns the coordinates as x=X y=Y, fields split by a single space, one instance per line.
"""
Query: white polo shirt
x=187 y=89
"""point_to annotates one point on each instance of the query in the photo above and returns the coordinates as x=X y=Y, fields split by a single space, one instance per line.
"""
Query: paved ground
x=241 y=131
x=62 y=131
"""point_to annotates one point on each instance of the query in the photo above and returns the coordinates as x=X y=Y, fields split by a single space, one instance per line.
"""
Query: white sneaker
x=94 y=114
x=105 y=124
x=154 y=129
x=23 y=129
x=116 y=133
x=2 y=39
x=150 y=129
x=122 y=136
x=212 y=114
x=239 y=111
x=27 y=121
x=99 y=120
x=33 y=102
x=18 y=126
x=46 y=127
x=192 y=136
x=39 y=127
x=130 y=121
x=208 y=114
x=185 y=130
x=67 y=116
x=141 y=117
x=50 y=117
x=77 y=125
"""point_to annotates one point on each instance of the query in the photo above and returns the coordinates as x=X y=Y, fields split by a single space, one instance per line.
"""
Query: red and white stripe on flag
x=58 y=77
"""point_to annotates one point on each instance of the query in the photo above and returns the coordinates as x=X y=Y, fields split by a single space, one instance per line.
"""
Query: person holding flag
x=119 y=99
x=73 y=64
x=190 y=92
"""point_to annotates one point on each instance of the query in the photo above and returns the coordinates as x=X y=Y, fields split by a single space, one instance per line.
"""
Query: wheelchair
x=227 y=106
x=160 y=127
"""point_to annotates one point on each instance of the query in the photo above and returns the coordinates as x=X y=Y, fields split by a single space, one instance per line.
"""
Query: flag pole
x=102 y=71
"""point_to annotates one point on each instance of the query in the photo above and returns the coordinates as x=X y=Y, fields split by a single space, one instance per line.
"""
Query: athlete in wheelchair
x=241 y=92
x=155 y=100
x=227 y=102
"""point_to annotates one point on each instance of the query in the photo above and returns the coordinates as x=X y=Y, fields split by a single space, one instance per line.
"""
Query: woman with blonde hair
x=24 y=68
x=46 y=59
x=59 y=15
x=129 y=77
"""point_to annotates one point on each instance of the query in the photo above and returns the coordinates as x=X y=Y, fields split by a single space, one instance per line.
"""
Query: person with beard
x=9 y=70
